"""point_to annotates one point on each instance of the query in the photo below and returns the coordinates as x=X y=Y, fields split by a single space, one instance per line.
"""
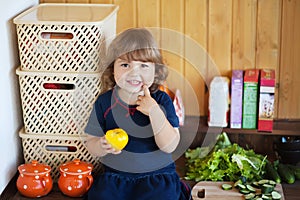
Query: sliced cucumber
x=271 y=182
x=249 y=196
x=276 y=195
x=244 y=191
x=237 y=182
x=266 y=197
x=241 y=186
x=250 y=188
x=255 y=184
x=267 y=188
x=263 y=181
x=226 y=186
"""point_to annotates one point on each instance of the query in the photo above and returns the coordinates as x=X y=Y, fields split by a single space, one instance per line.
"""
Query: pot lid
x=76 y=167
x=34 y=168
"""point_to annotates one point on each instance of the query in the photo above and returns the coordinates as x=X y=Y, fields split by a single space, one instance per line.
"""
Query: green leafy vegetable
x=225 y=162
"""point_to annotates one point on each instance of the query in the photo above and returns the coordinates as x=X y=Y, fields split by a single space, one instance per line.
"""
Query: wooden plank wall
x=289 y=95
x=204 y=38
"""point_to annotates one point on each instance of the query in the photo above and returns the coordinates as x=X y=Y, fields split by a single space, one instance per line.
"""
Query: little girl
x=130 y=99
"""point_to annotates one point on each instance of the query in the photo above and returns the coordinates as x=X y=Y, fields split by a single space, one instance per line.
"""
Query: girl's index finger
x=146 y=90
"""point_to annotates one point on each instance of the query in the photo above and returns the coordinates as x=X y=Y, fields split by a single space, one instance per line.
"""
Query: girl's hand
x=145 y=103
x=107 y=147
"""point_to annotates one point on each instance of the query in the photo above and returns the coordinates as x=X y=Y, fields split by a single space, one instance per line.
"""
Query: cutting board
x=213 y=190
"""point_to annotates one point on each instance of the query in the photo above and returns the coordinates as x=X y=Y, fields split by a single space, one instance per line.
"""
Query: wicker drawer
x=65 y=37
x=57 y=110
x=55 y=150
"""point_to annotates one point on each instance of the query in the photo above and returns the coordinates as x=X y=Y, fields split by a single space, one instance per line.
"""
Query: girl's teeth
x=134 y=82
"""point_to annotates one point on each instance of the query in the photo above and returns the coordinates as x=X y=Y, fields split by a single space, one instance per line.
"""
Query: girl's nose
x=135 y=69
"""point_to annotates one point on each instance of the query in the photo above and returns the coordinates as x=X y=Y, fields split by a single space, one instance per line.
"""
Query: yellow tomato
x=118 y=138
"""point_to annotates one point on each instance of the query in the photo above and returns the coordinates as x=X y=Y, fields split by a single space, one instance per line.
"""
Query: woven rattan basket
x=65 y=37
x=61 y=110
x=55 y=150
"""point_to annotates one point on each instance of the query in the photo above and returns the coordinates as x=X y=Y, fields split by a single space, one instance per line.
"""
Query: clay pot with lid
x=75 y=178
x=34 y=179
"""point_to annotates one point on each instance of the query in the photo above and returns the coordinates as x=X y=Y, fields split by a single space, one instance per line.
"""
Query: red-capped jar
x=34 y=179
x=75 y=178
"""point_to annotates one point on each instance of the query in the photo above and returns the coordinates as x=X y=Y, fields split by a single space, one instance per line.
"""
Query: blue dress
x=141 y=171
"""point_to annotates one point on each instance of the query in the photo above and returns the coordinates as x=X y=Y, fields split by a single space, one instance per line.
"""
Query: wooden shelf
x=260 y=142
x=281 y=127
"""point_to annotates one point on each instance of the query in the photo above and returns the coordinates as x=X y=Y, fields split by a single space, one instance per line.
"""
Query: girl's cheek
x=118 y=76
x=149 y=79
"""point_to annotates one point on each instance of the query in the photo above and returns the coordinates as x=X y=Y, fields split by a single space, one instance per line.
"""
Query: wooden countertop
x=192 y=124
x=291 y=191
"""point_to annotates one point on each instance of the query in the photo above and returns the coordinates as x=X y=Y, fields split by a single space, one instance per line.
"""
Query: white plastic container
x=219 y=102
x=57 y=103
x=65 y=37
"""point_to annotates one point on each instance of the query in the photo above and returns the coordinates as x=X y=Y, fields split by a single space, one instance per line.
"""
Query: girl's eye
x=125 y=65
x=144 y=66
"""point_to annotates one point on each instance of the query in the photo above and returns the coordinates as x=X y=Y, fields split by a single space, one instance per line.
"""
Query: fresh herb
x=224 y=162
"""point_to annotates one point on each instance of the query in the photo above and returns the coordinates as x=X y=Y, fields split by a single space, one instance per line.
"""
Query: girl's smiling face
x=130 y=76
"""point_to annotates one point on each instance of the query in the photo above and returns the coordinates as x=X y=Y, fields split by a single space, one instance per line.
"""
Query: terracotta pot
x=75 y=178
x=34 y=179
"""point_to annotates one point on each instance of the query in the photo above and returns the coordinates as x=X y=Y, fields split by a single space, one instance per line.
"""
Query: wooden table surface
x=291 y=191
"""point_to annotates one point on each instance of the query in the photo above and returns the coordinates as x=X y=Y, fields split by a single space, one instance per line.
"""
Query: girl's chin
x=134 y=90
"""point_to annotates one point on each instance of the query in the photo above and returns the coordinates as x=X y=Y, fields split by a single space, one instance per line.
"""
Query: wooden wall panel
x=196 y=56
x=127 y=16
x=172 y=41
x=289 y=90
x=268 y=34
x=77 y=1
x=219 y=37
x=236 y=34
x=244 y=34
x=268 y=38
x=148 y=15
x=102 y=1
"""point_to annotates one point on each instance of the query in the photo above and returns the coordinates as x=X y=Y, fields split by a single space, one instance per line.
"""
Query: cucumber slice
x=266 y=197
x=241 y=186
x=237 y=182
x=263 y=181
x=226 y=186
x=271 y=182
x=255 y=184
x=276 y=195
x=267 y=188
x=244 y=191
x=250 y=188
x=249 y=196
